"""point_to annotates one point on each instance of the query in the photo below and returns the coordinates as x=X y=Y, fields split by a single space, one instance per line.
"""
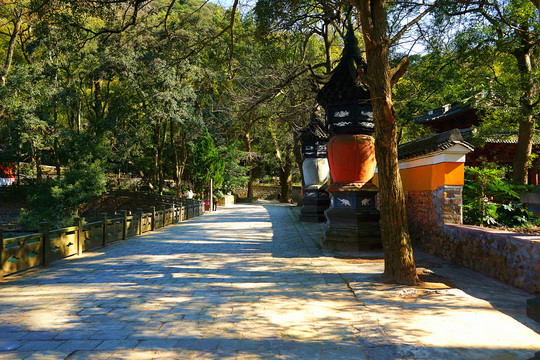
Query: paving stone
x=9 y=345
x=139 y=354
x=75 y=345
x=197 y=344
x=217 y=355
x=39 y=345
x=43 y=355
x=356 y=354
x=112 y=334
x=157 y=344
x=247 y=282
x=89 y=355
x=74 y=335
x=117 y=345
x=257 y=355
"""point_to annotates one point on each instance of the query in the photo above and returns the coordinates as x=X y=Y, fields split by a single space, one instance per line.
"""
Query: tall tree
x=507 y=28
x=380 y=77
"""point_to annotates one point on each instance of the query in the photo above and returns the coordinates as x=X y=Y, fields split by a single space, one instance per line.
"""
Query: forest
x=174 y=93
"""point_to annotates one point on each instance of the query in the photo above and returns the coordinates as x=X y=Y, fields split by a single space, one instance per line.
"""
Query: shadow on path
x=243 y=282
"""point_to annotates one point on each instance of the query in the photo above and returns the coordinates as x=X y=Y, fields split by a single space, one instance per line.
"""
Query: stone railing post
x=105 y=230
x=139 y=223
x=46 y=245
x=153 y=223
x=1 y=254
x=162 y=215
x=181 y=212
x=80 y=241
x=124 y=224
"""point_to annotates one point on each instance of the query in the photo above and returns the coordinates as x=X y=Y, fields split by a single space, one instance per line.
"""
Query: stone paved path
x=246 y=282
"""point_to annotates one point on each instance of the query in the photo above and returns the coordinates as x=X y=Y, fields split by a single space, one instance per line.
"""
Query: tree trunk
x=297 y=151
x=98 y=105
x=184 y=155
x=18 y=166
x=57 y=158
x=327 y=48
x=36 y=161
x=399 y=264
x=155 y=173
x=285 y=178
x=160 y=158
x=527 y=122
x=56 y=146
x=174 y=148
x=250 y=163
x=10 y=50
x=79 y=117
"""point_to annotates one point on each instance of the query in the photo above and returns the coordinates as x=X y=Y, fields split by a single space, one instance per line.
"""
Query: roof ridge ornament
x=343 y=98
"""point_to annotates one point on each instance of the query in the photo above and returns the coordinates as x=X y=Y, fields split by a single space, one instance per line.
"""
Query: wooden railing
x=47 y=246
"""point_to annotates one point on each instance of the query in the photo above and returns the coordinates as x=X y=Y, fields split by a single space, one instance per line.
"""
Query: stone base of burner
x=315 y=201
x=352 y=219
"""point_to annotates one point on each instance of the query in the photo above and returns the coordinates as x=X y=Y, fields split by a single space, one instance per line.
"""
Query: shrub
x=56 y=200
x=490 y=200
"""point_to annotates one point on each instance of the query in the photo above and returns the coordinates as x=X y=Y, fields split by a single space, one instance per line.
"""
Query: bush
x=490 y=200
x=56 y=200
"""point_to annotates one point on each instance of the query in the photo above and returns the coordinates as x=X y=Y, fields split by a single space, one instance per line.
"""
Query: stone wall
x=435 y=225
x=267 y=192
x=226 y=200
x=8 y=216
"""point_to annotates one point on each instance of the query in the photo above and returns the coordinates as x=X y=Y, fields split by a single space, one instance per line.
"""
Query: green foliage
x=81 y=182
x=234 y=174
x=56 y=200
x=206 y=163
x=490 y=200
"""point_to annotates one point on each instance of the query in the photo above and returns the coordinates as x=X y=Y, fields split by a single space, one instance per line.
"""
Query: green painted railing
x=47 y=246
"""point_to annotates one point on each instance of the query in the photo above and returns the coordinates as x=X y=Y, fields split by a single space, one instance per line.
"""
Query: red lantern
x=351 y=158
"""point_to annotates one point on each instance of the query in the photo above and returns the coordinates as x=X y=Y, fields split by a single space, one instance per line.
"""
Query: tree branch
x=397 y=72
x=400 y=33
x=223 y=31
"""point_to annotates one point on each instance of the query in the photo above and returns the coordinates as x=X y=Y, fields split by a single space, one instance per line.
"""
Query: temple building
x=7 y=171
x=498 y=147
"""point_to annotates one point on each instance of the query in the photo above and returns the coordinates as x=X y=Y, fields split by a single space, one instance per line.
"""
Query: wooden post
x=174 y=221
x=124 y=224
x=153 y=223
x=46 y=245
x=162 y=215
x=1 y=254
x=80 y=240
x=139 y=223
x=211 y=202
x=105 y=230
x=181 y=212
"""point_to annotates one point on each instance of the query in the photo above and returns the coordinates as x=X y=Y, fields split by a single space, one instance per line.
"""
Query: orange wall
x=430 y=177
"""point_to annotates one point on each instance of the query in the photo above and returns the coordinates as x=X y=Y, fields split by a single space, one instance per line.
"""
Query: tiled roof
x=314 y=130
x=498 y=137
x=432 y=143
x=340 y=86
x=439 y=113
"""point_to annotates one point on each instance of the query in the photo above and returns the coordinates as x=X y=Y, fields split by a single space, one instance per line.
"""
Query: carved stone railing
x=47 y=246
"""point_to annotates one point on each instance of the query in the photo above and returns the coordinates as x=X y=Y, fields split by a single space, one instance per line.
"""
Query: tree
x=380 y=77
x=206 y=164
x=502 y=29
